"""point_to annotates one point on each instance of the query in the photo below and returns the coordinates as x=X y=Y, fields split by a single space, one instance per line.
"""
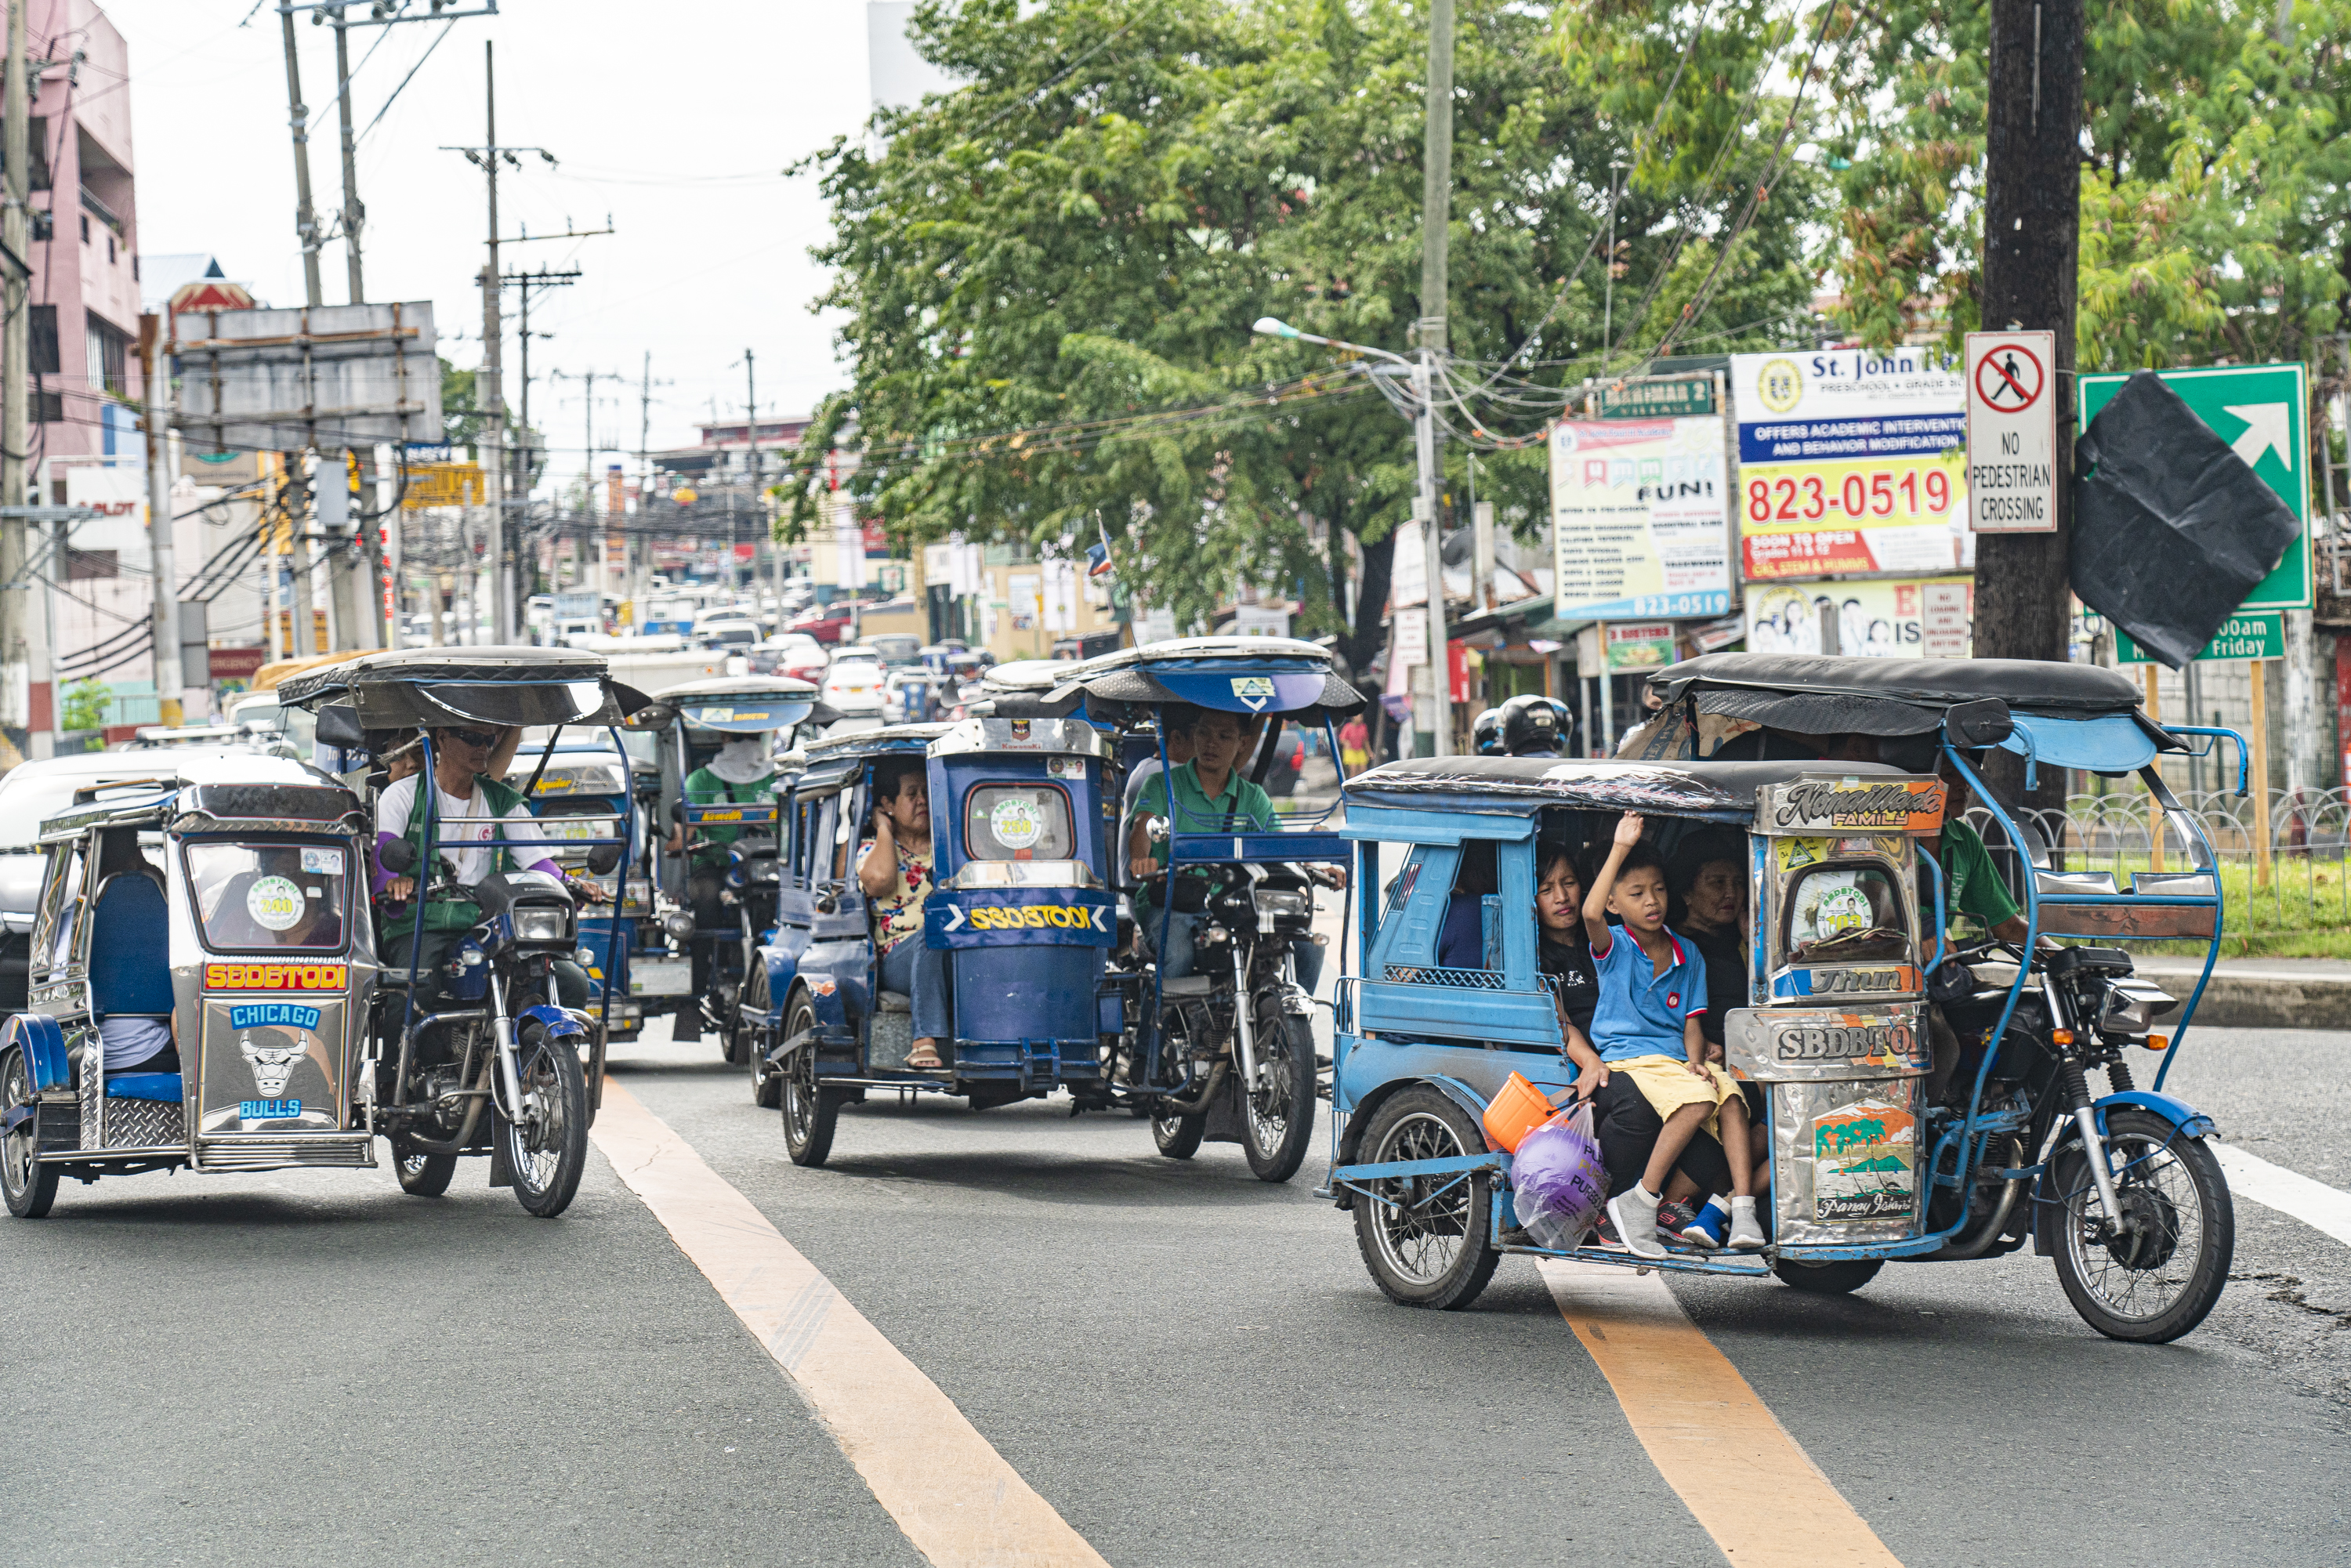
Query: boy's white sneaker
x=1746 y=1233
x=1635 y=1215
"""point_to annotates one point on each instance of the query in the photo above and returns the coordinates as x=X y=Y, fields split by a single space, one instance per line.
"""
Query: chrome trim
x=1023 y=873
x=1068 y=736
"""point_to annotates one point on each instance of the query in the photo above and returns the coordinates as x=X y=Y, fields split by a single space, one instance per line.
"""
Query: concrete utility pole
x=489 y=390
x=18 y=622
x=2032 y=221
x=155 y=369
x=758 y=499
x=1435 y=221
x=641 y=548
x=306 y=216
x=354 y=214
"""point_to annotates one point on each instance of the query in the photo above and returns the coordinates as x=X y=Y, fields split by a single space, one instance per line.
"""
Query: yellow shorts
x=1667 y=1083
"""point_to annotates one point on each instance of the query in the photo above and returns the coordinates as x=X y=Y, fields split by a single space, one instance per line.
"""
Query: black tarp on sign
x=2171 y=529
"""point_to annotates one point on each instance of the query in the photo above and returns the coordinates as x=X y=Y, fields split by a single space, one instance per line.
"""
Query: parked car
x=825 y=623
x=852 y=683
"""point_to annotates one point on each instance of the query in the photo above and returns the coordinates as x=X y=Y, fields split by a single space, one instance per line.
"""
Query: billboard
x=333 y=377
x=1851 y=461
x=1875 y=618
x=1640 y=523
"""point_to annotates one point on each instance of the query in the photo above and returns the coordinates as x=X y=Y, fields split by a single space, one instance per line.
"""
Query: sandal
x=933 y=1065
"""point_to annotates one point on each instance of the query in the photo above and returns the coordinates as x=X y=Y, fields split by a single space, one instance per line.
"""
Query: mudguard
x=2170 y=1107
x=1453 y=1088
x=783 y=967
x=560 y=1024
x=44 y=1045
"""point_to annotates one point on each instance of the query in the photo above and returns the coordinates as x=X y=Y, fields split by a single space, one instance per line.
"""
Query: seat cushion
x=893 y=1002
x=164 y=1087
x=1186 y=986
x=130 y=937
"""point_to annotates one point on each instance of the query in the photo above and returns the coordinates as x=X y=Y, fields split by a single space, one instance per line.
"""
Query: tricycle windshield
x=1018 y=822
x=1845 y=913
x=291 y=895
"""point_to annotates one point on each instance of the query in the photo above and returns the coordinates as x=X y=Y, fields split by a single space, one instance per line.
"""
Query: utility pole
x=354 y=214
x=2031 y=223
x=641 y=548
x=155 y=369
x=1435 y=220
x=758 y=498
x=18 y=623
x=306 y=217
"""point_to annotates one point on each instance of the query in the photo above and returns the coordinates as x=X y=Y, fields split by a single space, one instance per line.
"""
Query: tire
x=1828 y=1279
x=748 y=1041
x=548 y=1150
x=1278 y=1117
x=1178 y=1138
x=810 y=1111
x=422 y=1175
x=2158 y=1281
x=28 y=1185
x=1426 y=1244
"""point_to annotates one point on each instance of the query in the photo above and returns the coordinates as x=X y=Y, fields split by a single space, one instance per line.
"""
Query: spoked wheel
x=1178 y=1137
x=746 y=1039
x=2154 y=1275
x=810 y=1111
x=548 y=1146
x=29 y=1186
x=422 y=1175
x=1278 y=1110
x=1424 y=1238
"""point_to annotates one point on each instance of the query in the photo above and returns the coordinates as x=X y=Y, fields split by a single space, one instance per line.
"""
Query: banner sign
x=1019 y=916
x=1851 y=461
x=1657 y=397
x=1877 y=617
x=1639 y=518
x=2012 y=432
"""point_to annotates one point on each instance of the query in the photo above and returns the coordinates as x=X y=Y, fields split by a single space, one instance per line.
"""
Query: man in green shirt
x=1209 y=797
x=743 y=773
x=1972 y=887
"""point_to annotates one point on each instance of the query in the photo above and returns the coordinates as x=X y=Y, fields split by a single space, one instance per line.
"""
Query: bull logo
x=272 y=1063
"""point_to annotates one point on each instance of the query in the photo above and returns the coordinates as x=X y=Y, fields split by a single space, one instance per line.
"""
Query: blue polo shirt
x=1642 y=1013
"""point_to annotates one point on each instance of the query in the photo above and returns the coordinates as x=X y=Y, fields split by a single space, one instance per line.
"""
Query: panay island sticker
x=1838 y=905
x=1016 y=821
x=321 y=863
x=1862 y=1166
x=274 y=904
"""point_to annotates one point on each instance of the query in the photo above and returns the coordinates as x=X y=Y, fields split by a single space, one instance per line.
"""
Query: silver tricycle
x=200 y=960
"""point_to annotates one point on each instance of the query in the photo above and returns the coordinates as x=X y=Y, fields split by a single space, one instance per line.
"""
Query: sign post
x=2011 y=432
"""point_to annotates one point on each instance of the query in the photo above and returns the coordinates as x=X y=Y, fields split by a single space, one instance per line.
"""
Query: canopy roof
x=1718 y=791
x=1229 y=675
x=2028 y=684
x=443 y=686
x=742 y=704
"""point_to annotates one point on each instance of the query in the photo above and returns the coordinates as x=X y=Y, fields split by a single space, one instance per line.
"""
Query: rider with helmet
x=1531 y=726
x=1485 y=733
x=743 y=773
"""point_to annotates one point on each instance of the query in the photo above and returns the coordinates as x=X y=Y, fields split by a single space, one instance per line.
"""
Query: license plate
x=661 y=977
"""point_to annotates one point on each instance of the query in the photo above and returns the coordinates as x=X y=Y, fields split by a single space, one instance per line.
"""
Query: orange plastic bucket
x=1517 y=1110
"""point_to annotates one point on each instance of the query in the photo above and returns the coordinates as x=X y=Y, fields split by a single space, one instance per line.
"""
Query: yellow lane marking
x=947 y=1488
x=1749 y=1485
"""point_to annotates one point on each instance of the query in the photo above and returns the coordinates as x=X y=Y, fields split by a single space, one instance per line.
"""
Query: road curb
x=2254 y=1000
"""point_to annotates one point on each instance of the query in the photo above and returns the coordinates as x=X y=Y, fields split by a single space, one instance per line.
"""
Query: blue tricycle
x=1856 y=1004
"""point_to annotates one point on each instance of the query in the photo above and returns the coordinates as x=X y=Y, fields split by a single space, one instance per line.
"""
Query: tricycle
x=1921 y=1102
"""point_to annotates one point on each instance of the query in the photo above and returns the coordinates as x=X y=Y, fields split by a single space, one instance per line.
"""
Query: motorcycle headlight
x=1284 y=901
x=2132 y=1007
x=679 y=924
x=542 y=922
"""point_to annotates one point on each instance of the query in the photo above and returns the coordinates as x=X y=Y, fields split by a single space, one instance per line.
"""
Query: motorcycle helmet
x=1535 y=726
x=1485 y=733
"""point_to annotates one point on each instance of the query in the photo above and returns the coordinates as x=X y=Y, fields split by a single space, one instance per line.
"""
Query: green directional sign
x=2260 y=411
x=2240 y=637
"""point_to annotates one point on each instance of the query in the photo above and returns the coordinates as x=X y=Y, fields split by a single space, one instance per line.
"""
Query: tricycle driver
x=743 y=773
x=470 y=803
x=895 y=873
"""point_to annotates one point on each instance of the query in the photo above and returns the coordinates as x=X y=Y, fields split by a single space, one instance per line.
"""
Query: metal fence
x=2310 y=839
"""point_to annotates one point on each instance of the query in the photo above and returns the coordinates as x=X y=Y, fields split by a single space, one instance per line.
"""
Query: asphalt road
x=1193 y=1368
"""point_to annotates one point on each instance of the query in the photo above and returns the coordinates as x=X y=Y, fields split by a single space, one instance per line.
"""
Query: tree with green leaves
x=1049 y=278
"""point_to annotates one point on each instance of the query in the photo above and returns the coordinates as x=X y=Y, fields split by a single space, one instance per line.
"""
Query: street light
x=1424 y=443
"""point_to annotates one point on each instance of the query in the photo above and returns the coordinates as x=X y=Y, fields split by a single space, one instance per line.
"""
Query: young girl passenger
x=1646 y=1027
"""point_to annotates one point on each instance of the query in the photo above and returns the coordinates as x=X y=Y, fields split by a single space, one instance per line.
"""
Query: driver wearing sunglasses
x=473 y=805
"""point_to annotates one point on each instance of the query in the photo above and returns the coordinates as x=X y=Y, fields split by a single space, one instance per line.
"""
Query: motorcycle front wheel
x=1278 y=1110
x=2155 y=1277
x=546 y=1147
x=28 y=1185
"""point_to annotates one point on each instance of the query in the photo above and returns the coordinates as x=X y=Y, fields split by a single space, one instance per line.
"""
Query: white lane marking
x=2317 y=1205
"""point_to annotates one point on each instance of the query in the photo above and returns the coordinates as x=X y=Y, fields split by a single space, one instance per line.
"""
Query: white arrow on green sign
x=2259 y=636
x=2261 y=411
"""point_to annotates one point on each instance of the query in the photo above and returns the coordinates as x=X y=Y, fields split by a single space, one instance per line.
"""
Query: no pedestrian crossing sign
x=2261 y=412
x=2011 y=432
x=2240 y=637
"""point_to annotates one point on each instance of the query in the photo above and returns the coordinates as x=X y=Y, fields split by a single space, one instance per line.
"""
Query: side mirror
x=1155 y=830
x=397 y=857
x=604 y=858
x=339 y=727
x=677 y=811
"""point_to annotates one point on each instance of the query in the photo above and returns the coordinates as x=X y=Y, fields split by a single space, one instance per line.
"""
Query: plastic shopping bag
x=1558 y=1181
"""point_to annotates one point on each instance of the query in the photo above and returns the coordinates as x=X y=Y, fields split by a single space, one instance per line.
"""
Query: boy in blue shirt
x=1652 y=996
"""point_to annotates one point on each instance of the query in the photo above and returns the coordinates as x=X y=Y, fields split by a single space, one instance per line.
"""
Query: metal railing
x=2308 y=888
